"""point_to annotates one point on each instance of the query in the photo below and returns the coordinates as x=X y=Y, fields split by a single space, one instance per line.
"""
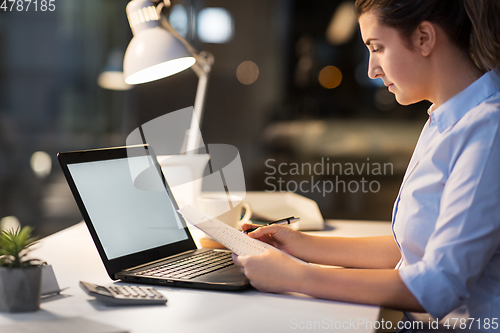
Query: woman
x=446 y=218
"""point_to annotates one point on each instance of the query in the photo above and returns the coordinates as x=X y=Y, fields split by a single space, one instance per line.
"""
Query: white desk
x=74 y=257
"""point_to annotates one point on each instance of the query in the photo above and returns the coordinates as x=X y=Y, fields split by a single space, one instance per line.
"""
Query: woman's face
x=394 y=60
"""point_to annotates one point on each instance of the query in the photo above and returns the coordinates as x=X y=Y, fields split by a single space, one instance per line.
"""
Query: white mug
x=219 y=206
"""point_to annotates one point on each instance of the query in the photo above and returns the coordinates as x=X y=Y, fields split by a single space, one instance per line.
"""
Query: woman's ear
x=424 y=38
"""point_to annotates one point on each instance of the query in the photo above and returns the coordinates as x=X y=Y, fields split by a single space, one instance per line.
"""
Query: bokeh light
x=247 y=72
x=215 y=25
x=330 y=77
x=9 y=223
x=41 y=164
x=179 y=19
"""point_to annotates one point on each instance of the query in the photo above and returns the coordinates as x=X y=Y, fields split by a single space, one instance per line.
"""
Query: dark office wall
x=50 y=100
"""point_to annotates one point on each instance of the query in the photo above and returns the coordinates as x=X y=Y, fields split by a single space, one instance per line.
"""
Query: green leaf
x=15 y=244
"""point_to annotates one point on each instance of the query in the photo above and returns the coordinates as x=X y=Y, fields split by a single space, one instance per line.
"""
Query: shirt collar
x=456 y=107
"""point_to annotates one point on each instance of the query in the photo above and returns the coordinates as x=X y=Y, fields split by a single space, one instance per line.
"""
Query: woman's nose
x=374 y=69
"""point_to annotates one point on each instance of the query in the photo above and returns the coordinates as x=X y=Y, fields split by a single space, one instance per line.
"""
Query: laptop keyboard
x=191 y=267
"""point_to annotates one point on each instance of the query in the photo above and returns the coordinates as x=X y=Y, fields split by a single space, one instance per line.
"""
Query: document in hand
x=236 y=241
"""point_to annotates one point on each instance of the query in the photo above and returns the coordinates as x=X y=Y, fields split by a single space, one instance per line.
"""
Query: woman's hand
x=275 y=272
x=271 y=271
x=283 y=238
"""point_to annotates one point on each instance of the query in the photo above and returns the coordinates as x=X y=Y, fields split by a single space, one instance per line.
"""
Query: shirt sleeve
x=467 y=231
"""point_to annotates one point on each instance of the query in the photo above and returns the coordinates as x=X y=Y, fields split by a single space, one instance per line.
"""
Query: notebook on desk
x=132 y=217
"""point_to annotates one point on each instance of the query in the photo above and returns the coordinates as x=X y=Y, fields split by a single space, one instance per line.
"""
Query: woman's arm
x=382 y=287
x=275 y=272
x=363 y=252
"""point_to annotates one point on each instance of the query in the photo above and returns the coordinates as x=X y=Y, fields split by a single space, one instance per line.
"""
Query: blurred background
x=289 y=85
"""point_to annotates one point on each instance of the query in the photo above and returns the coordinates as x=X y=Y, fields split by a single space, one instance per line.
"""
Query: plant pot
x=20 y=289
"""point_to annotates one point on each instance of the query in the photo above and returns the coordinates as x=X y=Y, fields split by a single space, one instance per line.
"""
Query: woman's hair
x=472 y=25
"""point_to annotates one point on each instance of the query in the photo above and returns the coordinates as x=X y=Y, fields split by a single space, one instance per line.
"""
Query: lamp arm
x=194 y=138
x=202 y=67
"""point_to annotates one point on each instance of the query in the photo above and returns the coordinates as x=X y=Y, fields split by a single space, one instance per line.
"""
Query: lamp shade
x=153 y=53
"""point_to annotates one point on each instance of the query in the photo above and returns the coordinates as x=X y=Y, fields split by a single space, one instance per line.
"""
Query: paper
x=235 y=240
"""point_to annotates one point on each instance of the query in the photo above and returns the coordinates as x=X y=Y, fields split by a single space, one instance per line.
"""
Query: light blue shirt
x=446 y=218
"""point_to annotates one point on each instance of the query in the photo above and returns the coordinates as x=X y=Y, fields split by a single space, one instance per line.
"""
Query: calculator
x=124 y=295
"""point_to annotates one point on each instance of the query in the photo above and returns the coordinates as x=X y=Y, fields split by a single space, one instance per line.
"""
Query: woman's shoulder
x=485 y=115
x=479 y=128
x=489 y=107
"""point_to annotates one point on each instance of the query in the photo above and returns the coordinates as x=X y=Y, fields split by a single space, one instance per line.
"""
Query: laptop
x=132 y=216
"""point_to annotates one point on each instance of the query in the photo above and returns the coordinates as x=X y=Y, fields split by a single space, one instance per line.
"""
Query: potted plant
x=20 y=277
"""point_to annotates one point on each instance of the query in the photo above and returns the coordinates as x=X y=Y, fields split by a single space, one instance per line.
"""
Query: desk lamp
x=157 y=51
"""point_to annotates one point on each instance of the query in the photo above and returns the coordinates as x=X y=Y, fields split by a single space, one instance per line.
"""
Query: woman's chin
x=404 y=100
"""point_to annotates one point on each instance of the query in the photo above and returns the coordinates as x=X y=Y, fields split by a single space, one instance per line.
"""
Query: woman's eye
x=376 y=50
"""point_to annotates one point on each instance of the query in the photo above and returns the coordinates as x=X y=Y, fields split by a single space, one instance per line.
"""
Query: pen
x=284 y=221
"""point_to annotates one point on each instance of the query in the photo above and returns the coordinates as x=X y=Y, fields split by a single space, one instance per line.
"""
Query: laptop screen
x=127 y=219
